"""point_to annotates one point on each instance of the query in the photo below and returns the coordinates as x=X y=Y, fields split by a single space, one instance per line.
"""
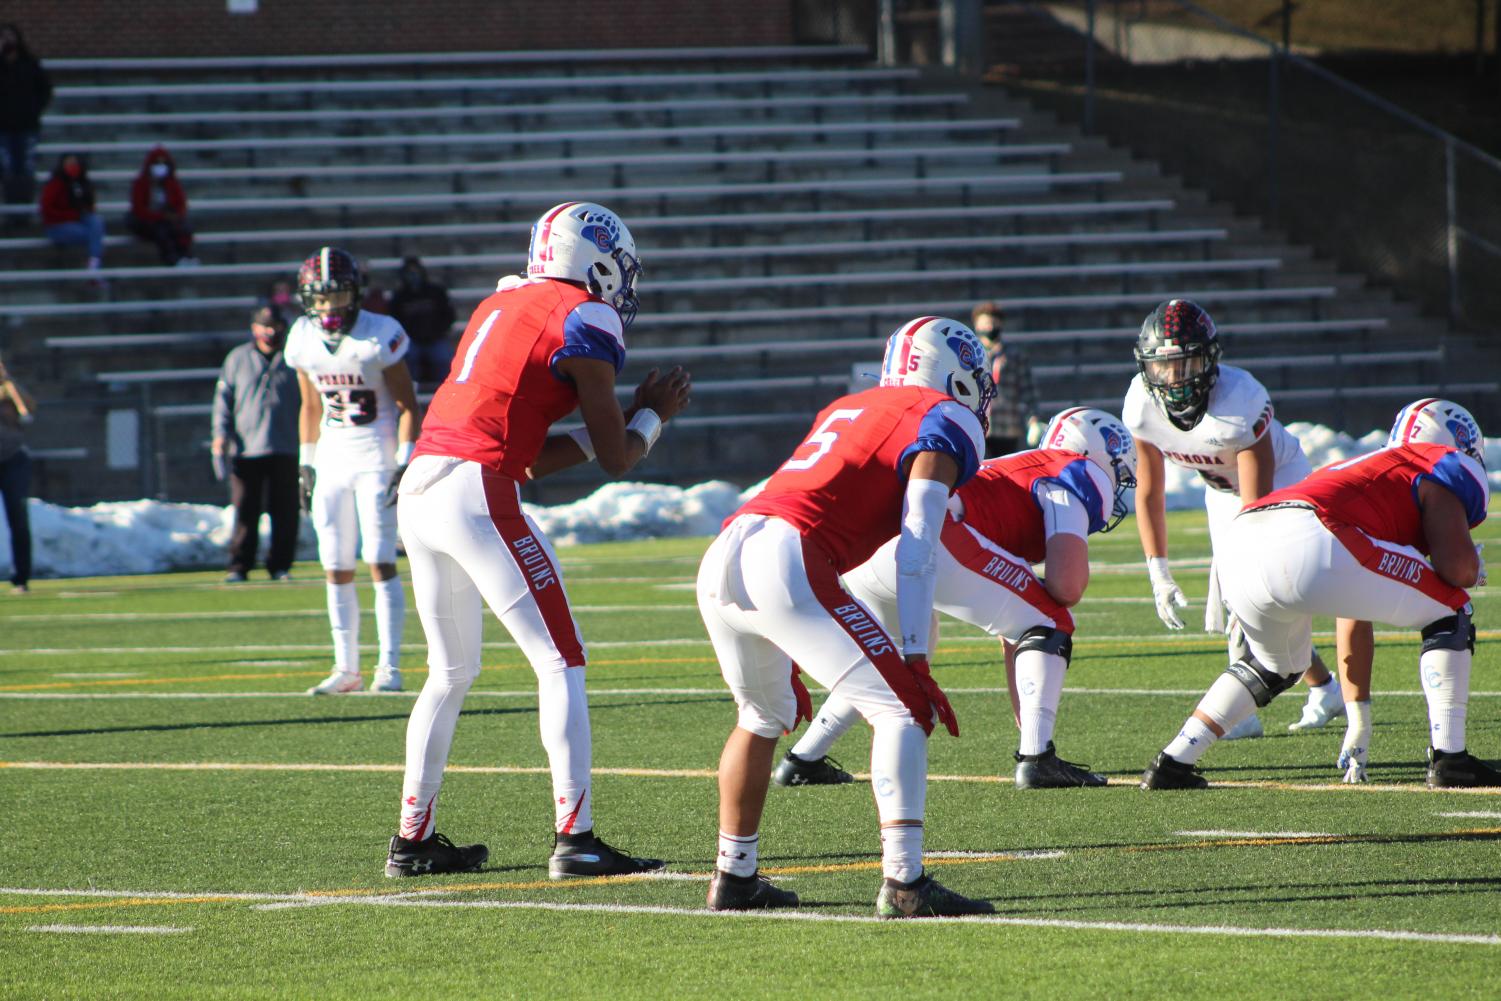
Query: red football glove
x=804 y=700
x=940 y=702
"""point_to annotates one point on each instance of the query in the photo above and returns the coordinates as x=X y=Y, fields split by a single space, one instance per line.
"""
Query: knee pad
x=1456 y=632
x=1047 y=640
x=1263 y=685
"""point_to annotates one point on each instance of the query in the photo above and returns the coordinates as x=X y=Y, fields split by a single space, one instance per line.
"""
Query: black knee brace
x=1456 y=632
x=1263 y=685
x=1048 y=640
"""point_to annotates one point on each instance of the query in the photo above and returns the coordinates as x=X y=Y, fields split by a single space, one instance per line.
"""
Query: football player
x=1384 y=538
x=1030 y=507
x=1186 y=408
x=357 y=425
x=876 y=463
x=543 y=345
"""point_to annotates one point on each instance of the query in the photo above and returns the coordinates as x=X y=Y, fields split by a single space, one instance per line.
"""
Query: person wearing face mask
x=425 y=311
x=159 y=209
x=25 y=92
x=256 y=404
x=67 y=206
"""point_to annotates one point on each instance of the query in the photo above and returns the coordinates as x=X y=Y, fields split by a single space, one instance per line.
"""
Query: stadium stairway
x=791 y=208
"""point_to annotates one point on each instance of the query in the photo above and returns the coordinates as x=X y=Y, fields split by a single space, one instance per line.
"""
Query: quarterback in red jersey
x=538 y=348
x=1019 y=510
x=875 y=463
x=1383 y=538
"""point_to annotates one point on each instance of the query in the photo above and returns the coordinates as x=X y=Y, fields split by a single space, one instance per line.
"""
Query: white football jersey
x=1239 y=414
x=358 y=430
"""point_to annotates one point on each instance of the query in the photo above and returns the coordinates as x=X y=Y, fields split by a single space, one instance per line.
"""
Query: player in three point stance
x=1186 y=408
x=1381 y=538
x=1026 y=508
x=876 y=462
x=357 y=425
x=538 y=348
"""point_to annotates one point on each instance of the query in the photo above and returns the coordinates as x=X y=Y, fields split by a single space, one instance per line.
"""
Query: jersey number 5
x=824 y=438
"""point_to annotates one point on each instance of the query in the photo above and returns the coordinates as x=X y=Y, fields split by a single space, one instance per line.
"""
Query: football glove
x=307 y=478
x=1480 y=578
x=1353 y=761
x=389 y=497
x=934 y=694
x=804 y=700
x=1165 y=592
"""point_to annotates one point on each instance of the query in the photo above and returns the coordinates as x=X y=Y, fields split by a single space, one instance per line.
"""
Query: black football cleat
x=580 y=856
x=1459 y=770
x=435 y=855
x=1169 y=773
x=795 y=771
x=1048 y=771
x=925 y=897
x=747 y=893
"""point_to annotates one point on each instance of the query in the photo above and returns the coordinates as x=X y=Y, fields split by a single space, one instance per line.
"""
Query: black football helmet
x=330 y=272
x=1178 y=353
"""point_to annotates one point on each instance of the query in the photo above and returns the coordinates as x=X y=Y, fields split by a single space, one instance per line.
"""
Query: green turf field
x=181 y=822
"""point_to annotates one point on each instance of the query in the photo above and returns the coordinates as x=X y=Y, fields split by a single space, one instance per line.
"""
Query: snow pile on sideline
x=152 y=536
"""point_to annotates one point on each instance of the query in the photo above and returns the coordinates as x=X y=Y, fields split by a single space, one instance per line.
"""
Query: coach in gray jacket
x=255 y=443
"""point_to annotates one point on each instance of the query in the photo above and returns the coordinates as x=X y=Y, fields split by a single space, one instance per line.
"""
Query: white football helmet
x=1104 y=440
x=587 y=243
x=1441 y=423
x=941 y=354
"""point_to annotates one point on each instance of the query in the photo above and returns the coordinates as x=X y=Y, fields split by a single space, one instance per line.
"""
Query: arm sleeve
x=954 y=430
x=1083 y=481
x=1062 y=511
x=1462 y=476
x=592 y=330
x=923 y=512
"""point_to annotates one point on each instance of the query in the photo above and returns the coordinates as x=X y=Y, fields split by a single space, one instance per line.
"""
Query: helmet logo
x=1464 y=434
x=599 y=236
x=967 y=350
x=1113 y=444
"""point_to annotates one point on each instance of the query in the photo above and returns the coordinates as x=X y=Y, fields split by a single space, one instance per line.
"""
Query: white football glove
x=1353 y=761
x=1480 y=578
x=1165 y=592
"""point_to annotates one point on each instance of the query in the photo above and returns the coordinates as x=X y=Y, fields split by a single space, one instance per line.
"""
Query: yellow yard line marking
x=126 y=902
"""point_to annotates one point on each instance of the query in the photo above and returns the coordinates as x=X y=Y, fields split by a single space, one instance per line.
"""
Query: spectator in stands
x=283 y=295
x=424 y=309
x=376 y=299
x=256 y=404
x=159 y=209
x=16 y=411
x=68 y=209
x=25 y=93
x=1013 y=413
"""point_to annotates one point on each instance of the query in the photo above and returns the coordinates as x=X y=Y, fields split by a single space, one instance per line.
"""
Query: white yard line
x=111 y=929
x=1478 y=814
x=1254 y=834
x=314 y=613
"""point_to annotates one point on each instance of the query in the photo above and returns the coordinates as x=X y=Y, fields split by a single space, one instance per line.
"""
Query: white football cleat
x=387 y=679
x=1245 y=729
x=1324 y=704
x=338 y=683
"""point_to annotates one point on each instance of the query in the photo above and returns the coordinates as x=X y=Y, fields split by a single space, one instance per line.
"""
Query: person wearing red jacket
x=159 y=209
x=67 y=207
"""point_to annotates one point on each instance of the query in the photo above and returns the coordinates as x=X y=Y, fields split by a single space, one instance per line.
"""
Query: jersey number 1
x=474 y=346
x=824 y=438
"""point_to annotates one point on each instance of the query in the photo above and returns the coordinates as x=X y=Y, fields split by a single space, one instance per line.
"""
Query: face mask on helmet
x=588 y=244
x=329 y=286
x=1178 y=354
x=942 y=354
x=1439 y=422
x=1104 y=440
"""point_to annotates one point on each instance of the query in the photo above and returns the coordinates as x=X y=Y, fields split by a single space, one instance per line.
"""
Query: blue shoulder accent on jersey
x=580 y=340
x=1449 y=473
x=937 y=433
x=1075 y=478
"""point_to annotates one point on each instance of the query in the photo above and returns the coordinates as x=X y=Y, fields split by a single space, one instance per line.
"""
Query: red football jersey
x=1001 y=505
x=843 y=486
x=1378 y=493
x=502 y=394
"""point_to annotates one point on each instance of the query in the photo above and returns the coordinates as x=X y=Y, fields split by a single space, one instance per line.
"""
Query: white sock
x=429 y=735
x=390 y=618
x=1357 y=741
x=1328 y=695
x=834 y=717
x=1039 y=686
x=1192 y=741
x=1445 y=675
x=901 y=852
x=344 y=620
x=563 y=718
x=737 y=854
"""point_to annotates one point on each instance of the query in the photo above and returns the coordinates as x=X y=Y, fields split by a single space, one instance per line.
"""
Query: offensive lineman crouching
x=1384 y=538
x=1026 y=508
